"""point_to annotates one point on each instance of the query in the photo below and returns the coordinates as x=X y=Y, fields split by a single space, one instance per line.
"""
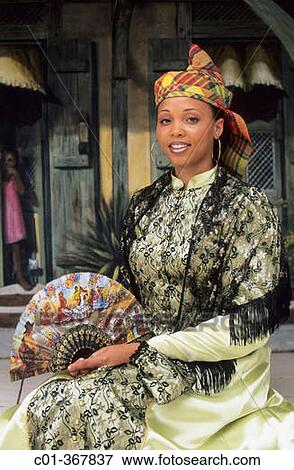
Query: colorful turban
x=202 y=80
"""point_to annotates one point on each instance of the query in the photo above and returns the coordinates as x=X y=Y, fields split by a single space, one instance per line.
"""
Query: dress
x=14 y=227
x=187 y=388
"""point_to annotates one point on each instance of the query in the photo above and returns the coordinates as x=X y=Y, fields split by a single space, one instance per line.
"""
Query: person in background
x=14 y=227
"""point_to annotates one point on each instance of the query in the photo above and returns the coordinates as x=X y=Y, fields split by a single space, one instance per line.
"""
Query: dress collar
x=197 y=181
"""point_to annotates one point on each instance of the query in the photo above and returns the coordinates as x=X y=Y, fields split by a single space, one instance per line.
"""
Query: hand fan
x=72 y=317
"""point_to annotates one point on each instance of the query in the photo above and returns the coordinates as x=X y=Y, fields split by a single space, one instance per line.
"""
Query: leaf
x=115 y=273
x=114 y=239
x=105 y=269
x=98 y=250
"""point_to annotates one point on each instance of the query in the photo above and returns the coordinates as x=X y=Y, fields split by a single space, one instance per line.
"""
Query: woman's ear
x=218 y=128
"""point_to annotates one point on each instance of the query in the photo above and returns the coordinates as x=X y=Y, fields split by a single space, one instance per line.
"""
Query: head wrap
x=203 y=81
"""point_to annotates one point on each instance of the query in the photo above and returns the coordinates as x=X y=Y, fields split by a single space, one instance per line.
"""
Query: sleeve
x=167 y=379
x=255 y=293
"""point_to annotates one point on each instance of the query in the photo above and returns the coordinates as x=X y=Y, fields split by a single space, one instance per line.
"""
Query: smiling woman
x=186 y=130
x=202 y=252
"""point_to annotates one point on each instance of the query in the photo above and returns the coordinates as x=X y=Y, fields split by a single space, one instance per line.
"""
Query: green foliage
x=98 y=250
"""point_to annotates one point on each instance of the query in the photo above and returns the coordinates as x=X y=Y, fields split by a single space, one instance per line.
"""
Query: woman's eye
x=164 y=121
x=192 y=120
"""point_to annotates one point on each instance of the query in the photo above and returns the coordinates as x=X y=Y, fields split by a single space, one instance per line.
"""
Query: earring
x=219 y=151
x=155 y=151
x=152 y=152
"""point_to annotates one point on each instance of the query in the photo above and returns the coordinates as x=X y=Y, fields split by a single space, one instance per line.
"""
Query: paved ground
x=9 y=391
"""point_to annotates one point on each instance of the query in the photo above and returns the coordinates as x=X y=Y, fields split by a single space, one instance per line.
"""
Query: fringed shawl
x=236 y=264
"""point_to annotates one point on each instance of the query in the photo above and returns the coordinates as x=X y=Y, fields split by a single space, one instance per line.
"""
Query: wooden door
x=73 y=149
x=164 y=55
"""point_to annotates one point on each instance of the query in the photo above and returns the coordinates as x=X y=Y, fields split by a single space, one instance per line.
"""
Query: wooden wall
x=156 y=21
x=94 y=21
x=151 y=21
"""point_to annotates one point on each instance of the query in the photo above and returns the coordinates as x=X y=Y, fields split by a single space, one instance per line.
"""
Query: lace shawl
x=232 y=214
x=236 y=263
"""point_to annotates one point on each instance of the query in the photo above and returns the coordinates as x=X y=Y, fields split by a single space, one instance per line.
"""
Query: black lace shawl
x=230 y=214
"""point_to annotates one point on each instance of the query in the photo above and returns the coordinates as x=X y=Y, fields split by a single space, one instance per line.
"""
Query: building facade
x=81 y=111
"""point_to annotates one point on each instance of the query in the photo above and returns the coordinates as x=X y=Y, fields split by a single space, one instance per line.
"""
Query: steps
x=13 y=300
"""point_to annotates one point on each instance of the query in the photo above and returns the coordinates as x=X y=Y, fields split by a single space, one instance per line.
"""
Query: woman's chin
x=179 y=160
x=181 y=164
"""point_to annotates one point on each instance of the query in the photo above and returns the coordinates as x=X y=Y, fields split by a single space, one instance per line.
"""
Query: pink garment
x=14 y=227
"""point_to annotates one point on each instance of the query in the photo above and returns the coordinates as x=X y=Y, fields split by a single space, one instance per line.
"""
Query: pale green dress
x=148 y=404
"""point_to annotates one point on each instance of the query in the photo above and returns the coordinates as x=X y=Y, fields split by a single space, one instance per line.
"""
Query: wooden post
x=184 y=20
x=121 y=21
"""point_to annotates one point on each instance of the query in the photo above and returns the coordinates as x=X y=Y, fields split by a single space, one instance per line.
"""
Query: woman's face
x=9 y=160
x=185 y=131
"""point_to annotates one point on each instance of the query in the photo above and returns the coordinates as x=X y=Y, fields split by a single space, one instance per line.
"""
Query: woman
x=203 y=253
x=14 y=227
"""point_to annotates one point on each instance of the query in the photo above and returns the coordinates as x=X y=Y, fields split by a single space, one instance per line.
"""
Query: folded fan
x=72 y=317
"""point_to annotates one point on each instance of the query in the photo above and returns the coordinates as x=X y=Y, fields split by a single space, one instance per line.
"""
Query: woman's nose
x=177 y=130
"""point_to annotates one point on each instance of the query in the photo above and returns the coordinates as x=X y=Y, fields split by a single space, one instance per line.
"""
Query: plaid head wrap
x=202 y=80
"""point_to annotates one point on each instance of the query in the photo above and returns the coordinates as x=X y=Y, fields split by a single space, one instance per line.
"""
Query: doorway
x=22 y=101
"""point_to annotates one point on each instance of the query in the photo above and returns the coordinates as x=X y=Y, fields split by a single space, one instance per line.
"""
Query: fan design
x=60 y=316
x=80 y=341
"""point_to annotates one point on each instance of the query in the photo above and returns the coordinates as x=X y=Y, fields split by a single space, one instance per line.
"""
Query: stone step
x=16 y=289
x=9 y=316
x=17 y=300
x=13 y=301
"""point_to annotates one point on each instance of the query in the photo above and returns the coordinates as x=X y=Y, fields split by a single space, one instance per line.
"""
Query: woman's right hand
x=114 y=355
x=77 y=368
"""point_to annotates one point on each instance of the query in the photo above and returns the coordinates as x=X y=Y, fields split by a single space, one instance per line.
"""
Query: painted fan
x=72 y=317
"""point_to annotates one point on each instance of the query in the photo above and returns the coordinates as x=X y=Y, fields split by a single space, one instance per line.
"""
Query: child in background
x=14 y=228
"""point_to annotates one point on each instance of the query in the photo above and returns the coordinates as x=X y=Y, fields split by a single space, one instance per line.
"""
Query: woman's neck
x=185 y=174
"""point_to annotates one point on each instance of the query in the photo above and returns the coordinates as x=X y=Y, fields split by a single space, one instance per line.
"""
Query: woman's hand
x=113 y=355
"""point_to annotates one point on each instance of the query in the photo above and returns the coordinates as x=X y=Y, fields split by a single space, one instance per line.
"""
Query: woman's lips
x=178 y=148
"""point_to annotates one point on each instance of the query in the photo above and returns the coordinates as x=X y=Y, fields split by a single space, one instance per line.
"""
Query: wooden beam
x=119 y=139
x=120 y=37
x=120 y=40
x=46 y=194
x=184 y=20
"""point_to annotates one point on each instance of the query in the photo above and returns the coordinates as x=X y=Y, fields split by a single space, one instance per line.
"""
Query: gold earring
x=152 y=156
x=219 y=151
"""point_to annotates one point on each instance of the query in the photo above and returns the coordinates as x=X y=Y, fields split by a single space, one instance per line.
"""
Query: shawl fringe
x=212 y=377
x=257 y=318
